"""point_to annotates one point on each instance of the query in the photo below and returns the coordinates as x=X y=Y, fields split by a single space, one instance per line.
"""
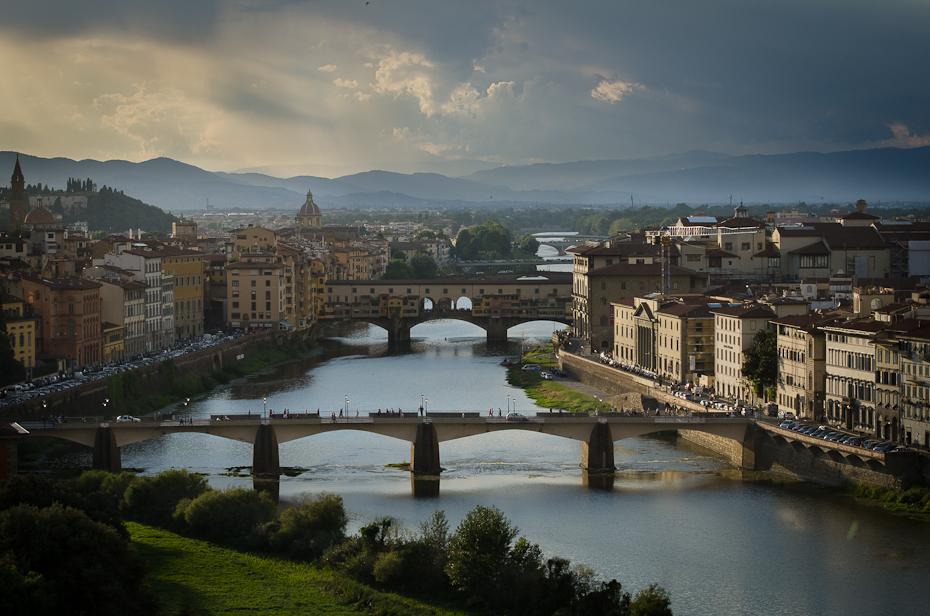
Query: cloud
x=406 y=74
x=904 y=139
x=329 y=68
x=614 y=91
x=345 y=83
x=157 y=120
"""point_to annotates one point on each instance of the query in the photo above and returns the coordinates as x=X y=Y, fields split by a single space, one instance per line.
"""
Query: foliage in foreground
x=484 y=564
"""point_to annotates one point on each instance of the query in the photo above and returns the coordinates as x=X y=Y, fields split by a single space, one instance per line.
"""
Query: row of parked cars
x=828 y=434
x=14 y=394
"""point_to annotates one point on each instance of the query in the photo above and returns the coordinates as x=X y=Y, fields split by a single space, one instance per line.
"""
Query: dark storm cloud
x=172 y=20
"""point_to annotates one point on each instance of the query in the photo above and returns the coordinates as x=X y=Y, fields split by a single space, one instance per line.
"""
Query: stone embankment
x=87 y=400
x=820 y=463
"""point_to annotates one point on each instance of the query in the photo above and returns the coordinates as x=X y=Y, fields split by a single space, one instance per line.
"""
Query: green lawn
x=550 y=394
x=197 y=577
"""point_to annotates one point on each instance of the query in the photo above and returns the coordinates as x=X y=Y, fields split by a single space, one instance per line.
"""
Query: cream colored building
x=674 y=339
x=735 y=325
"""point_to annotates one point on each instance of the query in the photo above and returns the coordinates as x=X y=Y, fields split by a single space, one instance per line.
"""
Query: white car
x=516 y=417
x=127 y=418
x=531 y=367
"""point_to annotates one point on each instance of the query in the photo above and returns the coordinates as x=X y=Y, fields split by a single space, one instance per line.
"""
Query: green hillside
x=114 y=212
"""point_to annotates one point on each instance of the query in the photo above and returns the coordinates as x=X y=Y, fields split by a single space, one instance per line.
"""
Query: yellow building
x=21 y=328
x=186 y=267
x=113 y=342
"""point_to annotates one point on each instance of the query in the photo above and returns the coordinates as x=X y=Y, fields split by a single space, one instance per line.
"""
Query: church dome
x=309 y=208
x=39 y=216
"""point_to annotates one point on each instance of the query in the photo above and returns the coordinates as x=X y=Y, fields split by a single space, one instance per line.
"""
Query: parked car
x=546 y=375
x=531 y=367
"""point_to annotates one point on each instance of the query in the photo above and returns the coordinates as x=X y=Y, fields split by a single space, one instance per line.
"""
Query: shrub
x=44 y=492
x=312 y=526
x=221 y=515
x=389 y=566
x=80 y=566
x=153 y=500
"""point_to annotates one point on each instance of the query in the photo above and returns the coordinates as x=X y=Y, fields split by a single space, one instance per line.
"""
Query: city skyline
x=329 y=89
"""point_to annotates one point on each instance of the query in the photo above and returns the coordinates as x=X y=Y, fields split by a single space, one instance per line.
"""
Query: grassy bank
x=914 y=500
x=550 y=394
x=196 y=577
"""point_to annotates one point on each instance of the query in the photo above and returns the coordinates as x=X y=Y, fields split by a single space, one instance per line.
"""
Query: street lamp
x=264 y=407
x=421 y=403
x=187 y=410
x=508 y=404
x=426 y=411
x=105 y=401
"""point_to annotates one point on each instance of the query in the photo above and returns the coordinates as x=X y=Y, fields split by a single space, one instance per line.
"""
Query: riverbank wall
x=759 y=451
x=88 y=400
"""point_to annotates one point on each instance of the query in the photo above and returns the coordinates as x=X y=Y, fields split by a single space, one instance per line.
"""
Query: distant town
x=825 y=314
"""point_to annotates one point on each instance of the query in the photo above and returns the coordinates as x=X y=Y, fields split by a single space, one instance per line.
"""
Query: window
x=253 y=283
x=267 y=294
x=728 y=246
x=235 y=293
x=267 y=283
x=747 y=246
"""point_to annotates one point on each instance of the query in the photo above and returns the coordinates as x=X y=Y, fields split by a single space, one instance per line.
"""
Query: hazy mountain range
x=880 y=175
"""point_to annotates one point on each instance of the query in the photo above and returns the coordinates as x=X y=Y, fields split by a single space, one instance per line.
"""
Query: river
x=720 y=541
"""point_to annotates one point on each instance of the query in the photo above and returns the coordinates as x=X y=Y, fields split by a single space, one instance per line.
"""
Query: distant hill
x=698 y=177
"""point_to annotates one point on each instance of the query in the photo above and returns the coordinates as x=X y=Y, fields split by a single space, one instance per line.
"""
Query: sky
x=331 y=88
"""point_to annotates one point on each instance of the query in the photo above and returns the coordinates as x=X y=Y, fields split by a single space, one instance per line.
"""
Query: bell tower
x=18 y=199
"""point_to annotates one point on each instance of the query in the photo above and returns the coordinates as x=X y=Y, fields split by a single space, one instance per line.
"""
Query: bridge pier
x=106 y=453
x=597 y=454
x=265 y=452
x=497 y=330
x=399 y=331
x=424 y=451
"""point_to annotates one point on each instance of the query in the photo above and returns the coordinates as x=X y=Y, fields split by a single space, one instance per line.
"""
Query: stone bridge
x=564 y=242
x=494 y=303
x=597 y=434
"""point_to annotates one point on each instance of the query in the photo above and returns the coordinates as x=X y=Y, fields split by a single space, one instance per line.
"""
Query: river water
x=720 y=541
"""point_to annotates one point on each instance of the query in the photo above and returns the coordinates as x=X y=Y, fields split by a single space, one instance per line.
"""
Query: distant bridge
x=597 y=434
x=496 y=303
x=564 y=242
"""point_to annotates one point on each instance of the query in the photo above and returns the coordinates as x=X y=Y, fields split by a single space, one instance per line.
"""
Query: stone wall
x=87 y=400
x=788 y=462
x=610 y=380
x=732 y=451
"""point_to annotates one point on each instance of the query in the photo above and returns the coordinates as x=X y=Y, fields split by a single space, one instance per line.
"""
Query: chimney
x=860 y=206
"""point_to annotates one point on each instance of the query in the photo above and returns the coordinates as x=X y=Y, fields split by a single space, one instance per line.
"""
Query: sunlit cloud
x=614 y=91
x=329 y=68
x=406 y=74
x=904 y=139
x=345 y=83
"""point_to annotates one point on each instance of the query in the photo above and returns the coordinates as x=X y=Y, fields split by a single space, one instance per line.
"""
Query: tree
x=760 y=362
x=152 y=500
x=425 y=234
x=479 y=553
x=398 y=269
x=423 y=266
x=399 y=254
x=78 y=565
x=529 y=244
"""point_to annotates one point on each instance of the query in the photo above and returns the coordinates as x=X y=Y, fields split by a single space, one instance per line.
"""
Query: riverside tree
x=760 y=362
